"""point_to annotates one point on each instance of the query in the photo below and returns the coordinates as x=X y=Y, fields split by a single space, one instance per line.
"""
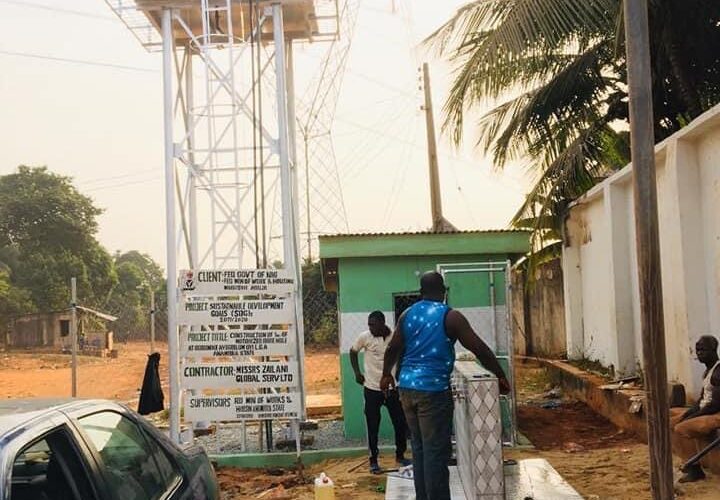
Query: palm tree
x=555 y=73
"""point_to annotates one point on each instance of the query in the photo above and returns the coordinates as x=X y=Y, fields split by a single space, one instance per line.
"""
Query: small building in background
x=52 y=331
x=382 y=272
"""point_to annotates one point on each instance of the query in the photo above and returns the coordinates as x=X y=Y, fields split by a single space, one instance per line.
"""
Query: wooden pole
x=435 y=196
x=642 y=144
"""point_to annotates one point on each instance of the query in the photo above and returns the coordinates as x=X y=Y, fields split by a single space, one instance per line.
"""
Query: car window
x=50 y=469
x=168 y=467
x=136 y=469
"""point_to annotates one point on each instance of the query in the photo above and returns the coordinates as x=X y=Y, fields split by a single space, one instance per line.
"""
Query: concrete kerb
x=614 y=405
x=285 y=460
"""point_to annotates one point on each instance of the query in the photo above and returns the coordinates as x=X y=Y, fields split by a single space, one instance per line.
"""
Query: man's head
x=706 y=349
x=432 y=286
x=376 y=324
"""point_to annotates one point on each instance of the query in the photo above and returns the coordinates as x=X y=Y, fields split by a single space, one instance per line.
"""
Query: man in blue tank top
x=424 y=346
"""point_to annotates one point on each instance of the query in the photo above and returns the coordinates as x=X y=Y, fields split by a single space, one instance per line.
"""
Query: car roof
x=16 y=412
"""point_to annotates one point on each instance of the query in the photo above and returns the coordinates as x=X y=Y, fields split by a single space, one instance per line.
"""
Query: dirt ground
x=589 y=452
x=32 y=374
x=352 y=481
x=595 y=457
x=25 y=374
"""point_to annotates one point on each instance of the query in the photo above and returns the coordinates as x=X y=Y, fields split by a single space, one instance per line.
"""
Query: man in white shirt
x=374 y=342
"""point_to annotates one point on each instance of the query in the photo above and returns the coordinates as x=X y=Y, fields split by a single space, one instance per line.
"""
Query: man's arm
x=359 y=377
x=691 y=411
x=392 y=357
x=359 y=345
x=458 y=328
x=714 y=406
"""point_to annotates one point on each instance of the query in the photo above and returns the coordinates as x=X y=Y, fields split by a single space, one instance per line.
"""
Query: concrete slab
x=404 y=489
x=537 y=479
x=533 y=478
x=319 y=405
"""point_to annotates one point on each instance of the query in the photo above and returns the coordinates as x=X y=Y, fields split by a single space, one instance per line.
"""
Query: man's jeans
x=374 y=400
x=429 y=416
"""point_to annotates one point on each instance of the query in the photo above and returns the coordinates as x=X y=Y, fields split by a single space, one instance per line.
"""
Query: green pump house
x=381 y=272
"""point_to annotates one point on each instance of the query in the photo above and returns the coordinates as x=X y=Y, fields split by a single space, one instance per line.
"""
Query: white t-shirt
x=374 y=356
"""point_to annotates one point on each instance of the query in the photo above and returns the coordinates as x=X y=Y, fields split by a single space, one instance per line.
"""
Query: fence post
x=152 y=321
x=73 y=334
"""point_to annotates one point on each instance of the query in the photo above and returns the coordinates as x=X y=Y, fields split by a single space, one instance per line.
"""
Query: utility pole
x=73 y=335
x=438 y=221
x=642 y=144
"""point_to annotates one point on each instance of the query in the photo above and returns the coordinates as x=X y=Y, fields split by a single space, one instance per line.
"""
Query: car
x=71 y=449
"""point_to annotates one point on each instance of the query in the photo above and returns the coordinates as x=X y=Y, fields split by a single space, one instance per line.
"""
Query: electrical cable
x=34 y=5
x=122 y=184
x=115 y=177
x=76 y=61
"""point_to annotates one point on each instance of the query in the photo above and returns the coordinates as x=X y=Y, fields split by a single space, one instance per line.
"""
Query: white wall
x=600 y=260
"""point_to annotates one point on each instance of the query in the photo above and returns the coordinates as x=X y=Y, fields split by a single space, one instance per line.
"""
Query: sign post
x=238 y=343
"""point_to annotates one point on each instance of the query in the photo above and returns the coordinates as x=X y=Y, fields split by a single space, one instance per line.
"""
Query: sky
x=79 y=95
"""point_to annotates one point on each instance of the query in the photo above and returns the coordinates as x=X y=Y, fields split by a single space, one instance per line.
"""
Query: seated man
x=699 y=422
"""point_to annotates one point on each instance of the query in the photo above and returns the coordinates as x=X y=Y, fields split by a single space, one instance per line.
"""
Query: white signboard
x=208 y=344
x=235 y=312
x=226 y=408
x=201 y=282
x=239 y=375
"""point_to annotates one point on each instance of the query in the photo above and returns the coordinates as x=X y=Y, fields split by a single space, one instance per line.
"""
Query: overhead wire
x=123 y=184
x=51 y=8
x=399 y=180
x=359 y=154
x=76 y=61
x=115 y=177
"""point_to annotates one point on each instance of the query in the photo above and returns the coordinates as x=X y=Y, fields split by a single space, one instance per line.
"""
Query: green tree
x=555 y=71
x=150 y=271
x=41 y=209
x=47 y=236
x=13 y=300
x=138 y=275
x=319 y=307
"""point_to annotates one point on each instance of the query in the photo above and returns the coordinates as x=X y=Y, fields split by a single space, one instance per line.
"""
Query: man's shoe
x=694 y=473
x=403 y=462
x=374 y=467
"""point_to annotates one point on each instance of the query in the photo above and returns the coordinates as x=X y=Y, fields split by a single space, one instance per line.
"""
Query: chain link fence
x=322 y=362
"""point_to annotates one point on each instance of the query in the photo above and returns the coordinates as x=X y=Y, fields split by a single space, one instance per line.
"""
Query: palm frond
x=566 y=176
x=564 y=104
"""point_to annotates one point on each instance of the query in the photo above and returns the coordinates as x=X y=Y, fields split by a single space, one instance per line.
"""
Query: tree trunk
x=681 y=74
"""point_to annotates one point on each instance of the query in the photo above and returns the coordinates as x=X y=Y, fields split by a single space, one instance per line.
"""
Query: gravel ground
x=228 y=438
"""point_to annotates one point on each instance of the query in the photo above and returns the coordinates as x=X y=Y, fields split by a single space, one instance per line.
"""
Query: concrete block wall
x=600 y=261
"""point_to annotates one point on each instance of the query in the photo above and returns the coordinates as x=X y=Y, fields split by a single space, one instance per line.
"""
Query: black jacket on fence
x=151 y=395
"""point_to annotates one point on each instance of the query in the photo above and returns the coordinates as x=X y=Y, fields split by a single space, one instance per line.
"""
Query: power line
x=33 y=5
x=134 y=173
x=124 y=184
x=76 y=61
x=385 y=134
